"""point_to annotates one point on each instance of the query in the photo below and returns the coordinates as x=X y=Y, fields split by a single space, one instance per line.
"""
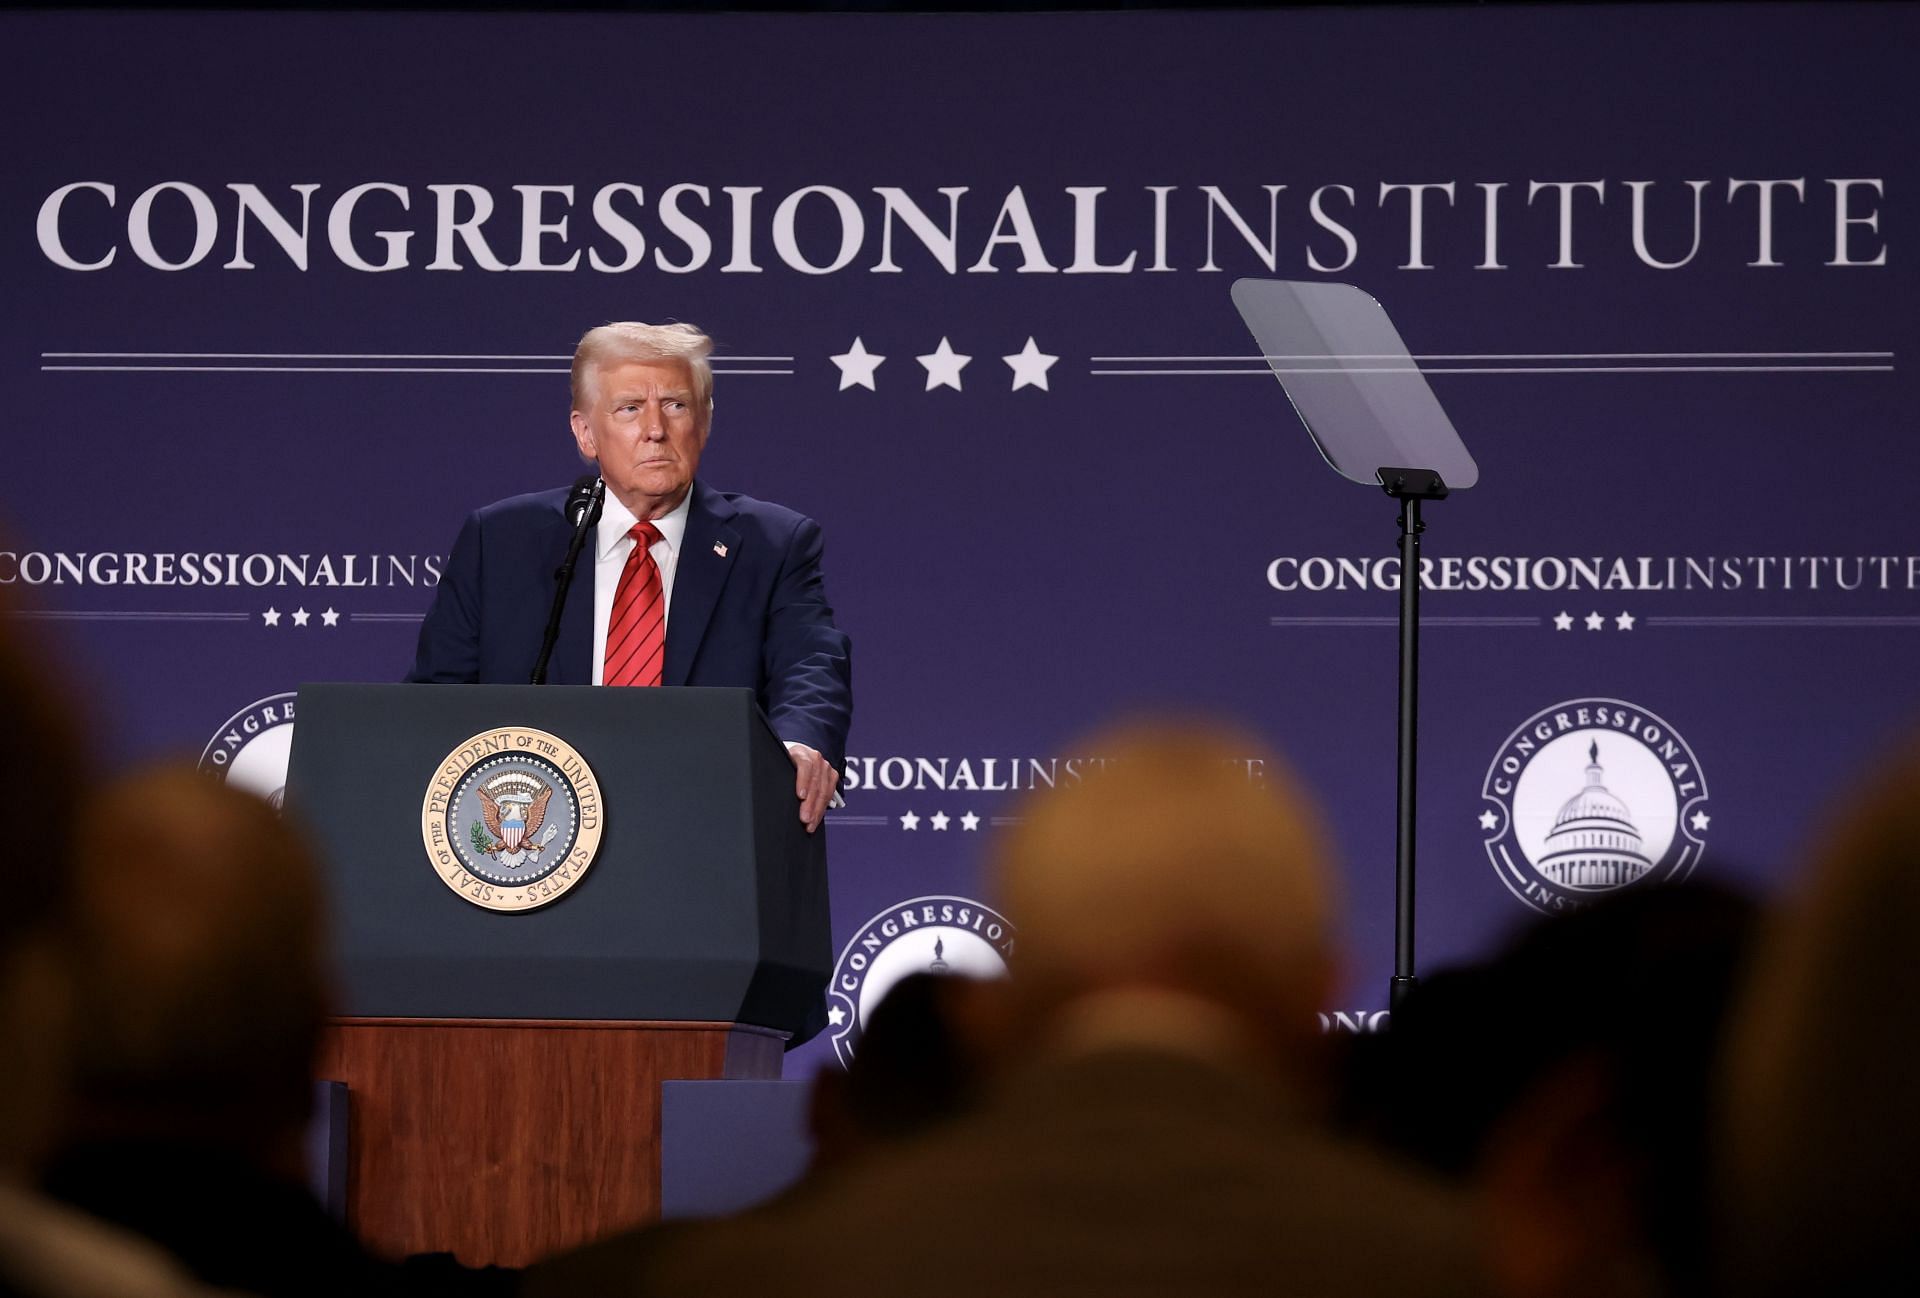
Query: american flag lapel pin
x=720 y=548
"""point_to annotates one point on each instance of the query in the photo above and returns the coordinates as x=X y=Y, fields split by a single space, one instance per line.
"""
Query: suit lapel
x=708 y=553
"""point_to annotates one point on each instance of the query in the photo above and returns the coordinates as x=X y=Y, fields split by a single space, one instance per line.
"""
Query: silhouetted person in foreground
x=1150 y=1128
x=1568 y=1080
x=912 y=1072
x=1819 y=1152
x=47 y=1250
x=202 y=1000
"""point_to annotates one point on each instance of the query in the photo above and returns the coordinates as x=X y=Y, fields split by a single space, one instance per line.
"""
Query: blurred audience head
x=202 y=992
x=42 y=770
x=910 y=1073
x=1821 y=1131
x=1188 y=863
x=1570 y=1079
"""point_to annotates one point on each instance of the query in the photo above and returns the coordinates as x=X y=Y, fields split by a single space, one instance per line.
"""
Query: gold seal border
x=508 y=741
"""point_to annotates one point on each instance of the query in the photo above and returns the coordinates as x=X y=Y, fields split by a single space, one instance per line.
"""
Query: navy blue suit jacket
x=749 y=608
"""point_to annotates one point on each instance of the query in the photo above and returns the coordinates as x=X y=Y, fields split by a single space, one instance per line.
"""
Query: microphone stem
x=589 y=514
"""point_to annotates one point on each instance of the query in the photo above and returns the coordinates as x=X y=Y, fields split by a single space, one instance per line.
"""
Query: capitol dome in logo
x=1589 y=796
x=1594 y=843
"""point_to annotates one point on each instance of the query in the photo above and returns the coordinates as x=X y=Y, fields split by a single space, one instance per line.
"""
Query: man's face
x=641 y=425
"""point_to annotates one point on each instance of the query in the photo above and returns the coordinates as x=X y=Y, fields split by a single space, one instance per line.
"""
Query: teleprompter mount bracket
x=1412 y=484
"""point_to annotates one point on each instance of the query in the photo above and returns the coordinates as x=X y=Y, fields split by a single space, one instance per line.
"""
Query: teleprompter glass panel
x=1351 y=381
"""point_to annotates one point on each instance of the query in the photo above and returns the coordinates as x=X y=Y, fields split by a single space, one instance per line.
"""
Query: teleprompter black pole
x=1409 y=487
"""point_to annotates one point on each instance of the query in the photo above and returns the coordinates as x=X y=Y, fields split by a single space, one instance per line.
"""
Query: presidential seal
x=250 y=750
x=1590 y=796
x=942 y=935
x=512 y=819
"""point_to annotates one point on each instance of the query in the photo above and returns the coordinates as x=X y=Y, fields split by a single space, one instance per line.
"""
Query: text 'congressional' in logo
x=941 y=935
x=251 y=748
x=1589 y=796
x=512 y=819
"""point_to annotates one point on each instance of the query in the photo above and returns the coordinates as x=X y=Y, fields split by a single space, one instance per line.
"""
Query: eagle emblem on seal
x=513 y=807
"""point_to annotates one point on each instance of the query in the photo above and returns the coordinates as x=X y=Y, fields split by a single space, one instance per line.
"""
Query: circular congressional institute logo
x=943 y=935
x=1589 y=796
x=250 y=749
x=512 y=819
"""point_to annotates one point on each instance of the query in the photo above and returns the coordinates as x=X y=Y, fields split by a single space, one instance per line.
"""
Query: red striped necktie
x=637 y=631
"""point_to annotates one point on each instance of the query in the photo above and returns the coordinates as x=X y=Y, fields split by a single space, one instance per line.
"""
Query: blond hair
x=627 y=341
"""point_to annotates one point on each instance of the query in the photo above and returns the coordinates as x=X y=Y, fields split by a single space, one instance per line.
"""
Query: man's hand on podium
x=815 y=782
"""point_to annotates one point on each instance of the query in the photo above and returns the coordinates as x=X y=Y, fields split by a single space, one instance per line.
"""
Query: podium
x=508 y=1014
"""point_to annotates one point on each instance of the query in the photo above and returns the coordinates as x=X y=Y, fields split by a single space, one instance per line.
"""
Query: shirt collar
x=616 y=520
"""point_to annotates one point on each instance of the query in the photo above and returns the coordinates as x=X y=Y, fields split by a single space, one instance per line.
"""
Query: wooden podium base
x=504 y=1140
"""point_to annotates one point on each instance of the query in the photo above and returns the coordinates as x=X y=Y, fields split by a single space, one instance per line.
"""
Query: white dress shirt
x=611 y=546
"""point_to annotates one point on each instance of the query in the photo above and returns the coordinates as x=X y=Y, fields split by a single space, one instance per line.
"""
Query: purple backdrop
x=1654 y=267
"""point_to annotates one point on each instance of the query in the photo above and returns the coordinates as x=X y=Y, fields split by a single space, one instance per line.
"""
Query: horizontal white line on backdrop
x=1515 y=369
x=343 y=356
x=1517 y=356
x=335 y=369
x=1394 y=621
x=125 y=615
x=1864 y=620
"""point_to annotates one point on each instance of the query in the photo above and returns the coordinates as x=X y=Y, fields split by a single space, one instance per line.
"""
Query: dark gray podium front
x=504 y=1067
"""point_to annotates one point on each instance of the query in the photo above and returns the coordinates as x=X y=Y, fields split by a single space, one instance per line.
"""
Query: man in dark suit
x=725 y=590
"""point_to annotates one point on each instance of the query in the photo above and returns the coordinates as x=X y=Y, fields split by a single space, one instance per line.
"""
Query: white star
x=329 y=618
x=939 y=819
x=1563 y=621
x=969 y=822
x=1624 y=621
x=836 y=1016
x=1595 y=621
x=271 y=617
x=1488 y=820
x=909 y=821
x=943 y=366
x=301 y=617
x=1699 y=820
x=857 y=365
x=1030 y=366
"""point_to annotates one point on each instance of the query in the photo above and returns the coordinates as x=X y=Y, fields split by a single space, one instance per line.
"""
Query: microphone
x=584 y=503
x=589 y=494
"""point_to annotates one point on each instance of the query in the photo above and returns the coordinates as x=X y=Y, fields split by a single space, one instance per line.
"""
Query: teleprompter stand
x=1377 y=423
x=1409 y=487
